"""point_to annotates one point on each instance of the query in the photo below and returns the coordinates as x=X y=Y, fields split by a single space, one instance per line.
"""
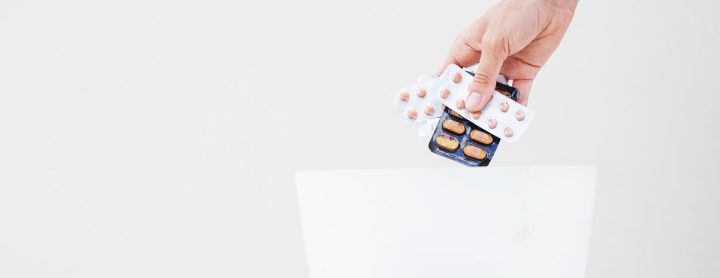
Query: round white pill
x=492 y=123
x=457 y=78
x=404 y=96
x=429 y=110
x=411 y=113
x=421 y=93
x=445 y=93
x=460 y=104
x=508 y=132
x=504 y=107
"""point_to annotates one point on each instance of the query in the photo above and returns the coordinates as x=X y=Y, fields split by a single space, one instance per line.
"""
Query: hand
x=514 y=38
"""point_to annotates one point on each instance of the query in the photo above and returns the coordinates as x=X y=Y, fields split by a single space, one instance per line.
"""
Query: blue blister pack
x=460 y=140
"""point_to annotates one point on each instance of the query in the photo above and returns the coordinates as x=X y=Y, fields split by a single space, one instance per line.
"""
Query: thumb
x=481 y=89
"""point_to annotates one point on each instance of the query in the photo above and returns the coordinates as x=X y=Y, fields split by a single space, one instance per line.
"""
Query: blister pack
x=458 y=139
x=416 y=104
x=436 y=104
x=502 y=116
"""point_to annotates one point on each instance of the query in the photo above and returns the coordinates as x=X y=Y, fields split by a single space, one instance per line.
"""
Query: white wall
x=159 y=138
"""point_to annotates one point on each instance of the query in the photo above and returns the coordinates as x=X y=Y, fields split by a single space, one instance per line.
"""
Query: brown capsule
x=412 y=114
x=520 y=115
x=504 y=93
x=457 y=77
x=447 y=143
x=429 y=110
x=475 y=115
x=504 y=107
x=455 y=114
x=453 y=127
x=460 y=104
x=444 y=93
x=492 y=123
x=481 y=137
x=474 y=152
x=404 y=96
x=508 y=132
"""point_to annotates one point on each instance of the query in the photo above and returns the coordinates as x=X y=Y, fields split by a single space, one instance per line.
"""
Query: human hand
x=514 y=38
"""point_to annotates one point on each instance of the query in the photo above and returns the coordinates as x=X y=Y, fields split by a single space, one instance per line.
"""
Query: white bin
x=447 y=223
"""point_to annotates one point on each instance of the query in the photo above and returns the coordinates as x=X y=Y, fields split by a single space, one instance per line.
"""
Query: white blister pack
x=416 y=104
x=424 y=102
x=502 y=116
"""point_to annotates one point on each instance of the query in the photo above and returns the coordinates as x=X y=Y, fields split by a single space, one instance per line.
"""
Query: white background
x=160 y=138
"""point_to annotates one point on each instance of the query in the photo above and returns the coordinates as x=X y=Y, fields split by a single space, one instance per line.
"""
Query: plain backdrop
x=160 y=138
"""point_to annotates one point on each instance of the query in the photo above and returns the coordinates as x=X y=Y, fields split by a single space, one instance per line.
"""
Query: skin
x=514 y=38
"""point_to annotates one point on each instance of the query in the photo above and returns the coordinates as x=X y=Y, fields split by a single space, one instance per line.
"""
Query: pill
x=504 y=107
x=520 y=115
x=504 y=93
x=429 y=110
x=404 y=96
x=475 y=115
x=492 y=123
x=445 y=93
x=457 y=77
x=460 y=104
x=481 y=137
x=474 y=152
x=508 y=132
x=421 y=93
x=411 y=113
x=455 y=114
x=447 y=143
x=453 y=127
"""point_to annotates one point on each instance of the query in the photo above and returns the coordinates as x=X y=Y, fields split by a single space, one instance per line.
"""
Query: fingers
x=481 y=89
x=523 y=85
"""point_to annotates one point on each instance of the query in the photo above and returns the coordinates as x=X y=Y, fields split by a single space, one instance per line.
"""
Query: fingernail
x=474 y=100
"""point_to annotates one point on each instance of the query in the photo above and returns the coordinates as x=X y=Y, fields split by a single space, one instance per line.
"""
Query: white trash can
x=524 y=222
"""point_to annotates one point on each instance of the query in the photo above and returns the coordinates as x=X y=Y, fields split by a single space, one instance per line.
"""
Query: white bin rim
x=455 y=222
